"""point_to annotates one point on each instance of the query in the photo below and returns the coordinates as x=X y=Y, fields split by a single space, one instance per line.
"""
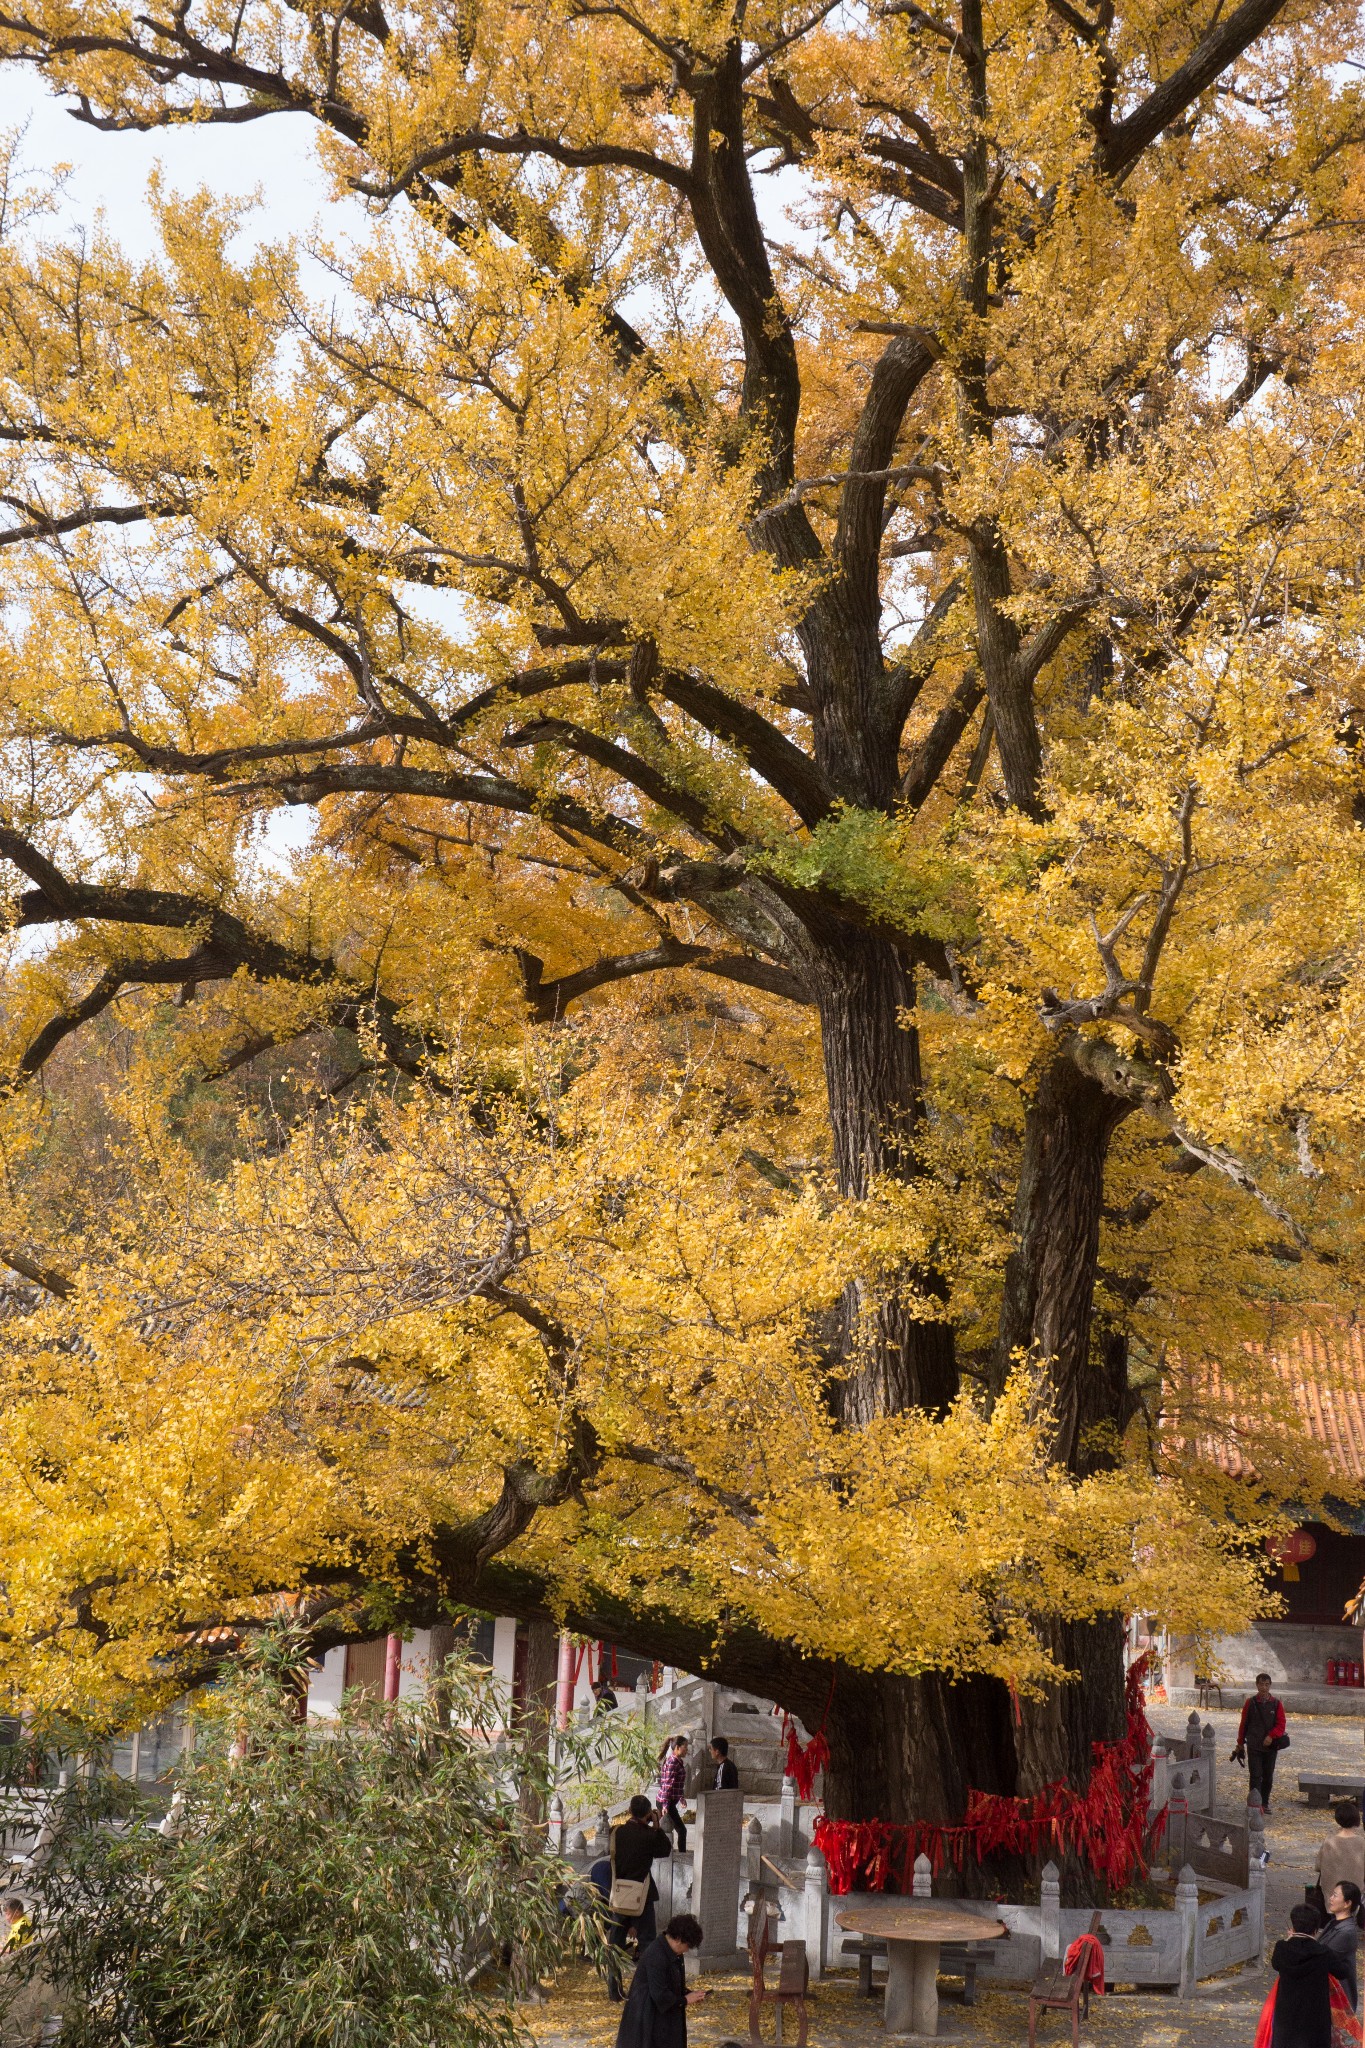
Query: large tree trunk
x=1050 y=1274
x=533 y=1713
x=913 y=1748
x=1046 y=1317
x=1054 y=1736
x=895 y=1358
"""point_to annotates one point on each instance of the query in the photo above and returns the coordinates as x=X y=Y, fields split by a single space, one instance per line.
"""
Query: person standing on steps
x=727 y=1773
x=1260 y=1738
x=673 y=1785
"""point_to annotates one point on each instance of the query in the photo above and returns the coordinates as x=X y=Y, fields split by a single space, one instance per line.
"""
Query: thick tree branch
x=479 y=142
x=907 y=678
x=736 y=1504
x=1121 y=147
x=41 y=526
x=731 y=235
x=902 y=367
x=550 y=999
x=924 y=184
x=47 y=1277
x=220 y=763
x=784 y=766
x=228 y=946
x=630 y=768
x=1150 y=1088
x=492 y=792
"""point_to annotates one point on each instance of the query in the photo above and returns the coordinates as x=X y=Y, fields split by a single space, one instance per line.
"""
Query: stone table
x=913 y=1930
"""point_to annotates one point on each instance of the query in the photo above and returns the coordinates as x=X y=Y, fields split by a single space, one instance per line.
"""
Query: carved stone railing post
x=787 y=1843
x=816 y=1897
x=1187 y=1906
x=1161 y=1777
x=1050 y=1900
x=1255 y=1832
x=1256 y=1893
x=1211 y=1764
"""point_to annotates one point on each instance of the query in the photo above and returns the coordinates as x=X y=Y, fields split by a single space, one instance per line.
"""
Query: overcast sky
x=109 y=172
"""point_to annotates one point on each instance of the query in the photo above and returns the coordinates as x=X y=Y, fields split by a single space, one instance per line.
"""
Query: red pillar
x=393 y=1664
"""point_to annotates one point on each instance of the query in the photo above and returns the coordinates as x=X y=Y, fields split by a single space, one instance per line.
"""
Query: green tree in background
x=372 y=1881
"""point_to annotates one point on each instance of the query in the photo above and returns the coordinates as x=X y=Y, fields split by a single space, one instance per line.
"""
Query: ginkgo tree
x=805 y=570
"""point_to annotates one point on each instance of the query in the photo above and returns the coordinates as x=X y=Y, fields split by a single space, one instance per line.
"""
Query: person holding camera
x=1260 y=1738
x=635 y=1843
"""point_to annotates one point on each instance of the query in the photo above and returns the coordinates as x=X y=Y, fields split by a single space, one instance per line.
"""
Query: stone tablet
x=719 y=1849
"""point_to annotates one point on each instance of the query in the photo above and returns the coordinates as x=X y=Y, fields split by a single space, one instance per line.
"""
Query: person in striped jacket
x=672 y=1784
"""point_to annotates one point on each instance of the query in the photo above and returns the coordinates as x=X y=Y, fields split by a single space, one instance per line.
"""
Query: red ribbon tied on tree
x=805 y=1760
x=1105 y=1826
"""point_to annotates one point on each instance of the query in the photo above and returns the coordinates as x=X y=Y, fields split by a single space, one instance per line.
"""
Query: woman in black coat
x=1303 y=1996
x=655 y=2014
x=1341 y=1936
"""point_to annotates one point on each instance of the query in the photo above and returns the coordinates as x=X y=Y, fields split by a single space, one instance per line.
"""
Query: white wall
x=416 y=1663
x=504 y=1649
x=325 y=1688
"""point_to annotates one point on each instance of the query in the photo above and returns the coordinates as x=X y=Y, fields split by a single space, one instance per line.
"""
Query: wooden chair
x=1207 y=1688
x=1054 y=1991
x=793 y=1977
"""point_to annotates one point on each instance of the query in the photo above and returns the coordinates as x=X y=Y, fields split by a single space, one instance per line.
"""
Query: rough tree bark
x=894 y=1358
x=535 y=1709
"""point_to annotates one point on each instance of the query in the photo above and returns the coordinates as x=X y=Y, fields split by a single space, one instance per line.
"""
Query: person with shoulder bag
x=635 y=1844
x=1260 y=1738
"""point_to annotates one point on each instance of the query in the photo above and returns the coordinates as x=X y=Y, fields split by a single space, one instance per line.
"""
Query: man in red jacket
x=1261 y=1737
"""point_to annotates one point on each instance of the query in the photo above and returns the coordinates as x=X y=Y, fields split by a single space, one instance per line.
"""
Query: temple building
x=1314 y=1654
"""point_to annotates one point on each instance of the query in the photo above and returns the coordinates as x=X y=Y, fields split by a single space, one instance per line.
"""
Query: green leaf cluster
x=869 y=859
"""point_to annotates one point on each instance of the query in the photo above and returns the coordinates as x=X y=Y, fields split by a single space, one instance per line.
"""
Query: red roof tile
x=1313 y=1379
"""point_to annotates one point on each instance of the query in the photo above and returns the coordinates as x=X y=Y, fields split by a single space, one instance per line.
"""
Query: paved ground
x=1222 y=2016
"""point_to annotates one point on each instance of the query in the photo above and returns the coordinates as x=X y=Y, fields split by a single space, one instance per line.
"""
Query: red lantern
x=1290 y=1551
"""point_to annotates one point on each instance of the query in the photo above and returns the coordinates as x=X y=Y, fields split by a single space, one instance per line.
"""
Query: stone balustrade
x=1172 y=1947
